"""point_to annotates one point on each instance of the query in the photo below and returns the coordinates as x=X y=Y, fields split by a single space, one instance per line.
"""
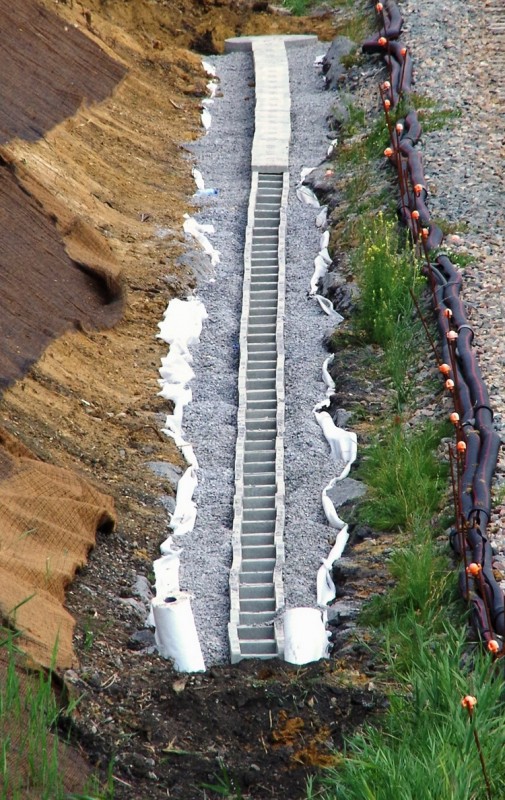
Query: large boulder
x=333 y=69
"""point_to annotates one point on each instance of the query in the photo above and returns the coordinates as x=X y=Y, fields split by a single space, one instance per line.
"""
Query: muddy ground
x=118 y=165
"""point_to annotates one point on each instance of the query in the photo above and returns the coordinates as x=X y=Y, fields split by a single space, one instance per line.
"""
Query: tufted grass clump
x=32 y=755
x=425 y=747
x=406 y=481
x=387 y=273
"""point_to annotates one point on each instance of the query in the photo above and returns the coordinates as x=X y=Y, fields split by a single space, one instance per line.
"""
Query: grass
x=30 y=749
x=387 y=273
x=406 y=481
x=224 y=785
x=301 y=8
x=423 y=746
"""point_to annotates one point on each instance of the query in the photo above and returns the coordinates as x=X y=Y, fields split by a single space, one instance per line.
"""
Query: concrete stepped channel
x=256 y=584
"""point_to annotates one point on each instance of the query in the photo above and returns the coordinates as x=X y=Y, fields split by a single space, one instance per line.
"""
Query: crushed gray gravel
x=223 y=156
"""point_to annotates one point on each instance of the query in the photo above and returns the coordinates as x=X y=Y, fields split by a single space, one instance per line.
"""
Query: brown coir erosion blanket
x=56 y=274
x=48 y=519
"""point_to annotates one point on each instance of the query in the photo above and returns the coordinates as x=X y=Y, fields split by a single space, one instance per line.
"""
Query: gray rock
x=344 y=297
x=340 y=418
x=142 y=639
x=142 y=589
x=322 y=180
x=345 y=568
x=345 y=490
x=329 y=284
x=167 y=471
x=333 y=68
x=338 y=116
x=168 y=503
x=139 y=764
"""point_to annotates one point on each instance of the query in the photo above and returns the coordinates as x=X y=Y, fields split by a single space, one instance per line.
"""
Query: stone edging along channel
x=473 y=456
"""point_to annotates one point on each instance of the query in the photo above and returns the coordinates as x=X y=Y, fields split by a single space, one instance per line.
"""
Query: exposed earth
x=98 y=177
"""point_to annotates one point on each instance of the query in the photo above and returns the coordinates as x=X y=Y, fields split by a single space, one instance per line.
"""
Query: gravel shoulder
x=459 y=61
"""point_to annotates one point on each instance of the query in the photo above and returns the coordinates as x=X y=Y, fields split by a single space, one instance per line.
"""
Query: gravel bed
x=223 y=156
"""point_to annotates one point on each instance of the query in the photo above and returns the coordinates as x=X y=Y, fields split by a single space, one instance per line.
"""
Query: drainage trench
x=256 y=586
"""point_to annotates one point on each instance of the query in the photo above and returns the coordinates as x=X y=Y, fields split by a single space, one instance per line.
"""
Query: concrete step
x=257 y=539
x=255 y=526
x=258 y=649
x=260 y=490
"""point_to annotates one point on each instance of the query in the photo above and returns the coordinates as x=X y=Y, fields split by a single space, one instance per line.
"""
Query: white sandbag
x=304 y=172
x=176 y=636
x=175 y=369
x=212 y=89
x=184 y=516
x=197 y=175
x=305 y=636
x=182 y=323
x=324 y=240
x=180 y=397
x=322 y=217
x=325 y=255
x=184 y=521
x=209 y=68
x=166 y=569
x=206 y=118
x=166 y=574
x=320 y=270
x=328 y=380
x=198 y=231
x=327 y=306
x=307 y=196
x=343 y=444
x=326 y=590
x=330 y=511
x=331 y=147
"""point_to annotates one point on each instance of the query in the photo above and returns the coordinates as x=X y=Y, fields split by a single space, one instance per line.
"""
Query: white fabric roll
x=176 y=636
x=305 y=636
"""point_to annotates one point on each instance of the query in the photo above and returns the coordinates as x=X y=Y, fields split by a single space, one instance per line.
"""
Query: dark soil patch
x=268 y=724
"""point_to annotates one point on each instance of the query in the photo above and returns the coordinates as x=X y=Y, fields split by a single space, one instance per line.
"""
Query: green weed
x=406 y=481
x=386 y=273
x=298 y=7
x=29 y=743
x=424 y=748
x=225 y=785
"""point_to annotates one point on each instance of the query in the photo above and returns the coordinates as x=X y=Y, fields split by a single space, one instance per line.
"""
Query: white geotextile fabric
x=305 y=636
x=181 y=326
x=199 y=232
x=175 y=631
